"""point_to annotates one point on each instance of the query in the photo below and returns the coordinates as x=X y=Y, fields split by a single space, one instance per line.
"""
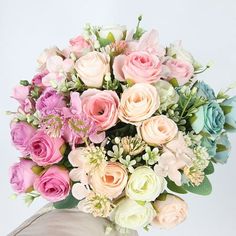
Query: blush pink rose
x=54 y=184
x=171 y=211
x=182 y=71
x=21 y=133
x=50 y=102
x=138 y=67
x=22 y=176
x=45 y=150
x=111 y=181
x=92 y=68
x=101 y=107
x=79 y=46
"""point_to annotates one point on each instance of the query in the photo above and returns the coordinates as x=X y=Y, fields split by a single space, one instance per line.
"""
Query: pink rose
x=45 y=150
x=101 y=107
x=92 y=68
x=111 y=181
x=50 y=102
x=139 y=67
x=54 y=184
x=79 y=46
x=21 y=133
x=158 y=130
x=171 y=211
x=20 y=93
x=22 y=176
x=138 y=103
x=182 y=71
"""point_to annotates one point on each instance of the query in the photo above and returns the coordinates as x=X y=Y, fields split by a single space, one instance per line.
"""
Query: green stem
x=185 y=107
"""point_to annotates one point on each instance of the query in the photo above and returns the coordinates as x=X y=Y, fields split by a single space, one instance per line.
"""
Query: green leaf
x=104 y=42
x=69 y=202
x=226 y=109
x=174 y=82
x=221 y=148
x=24 y=82
x=210 y=169
x=111 y=37
x=205 y=188
x=175 y=188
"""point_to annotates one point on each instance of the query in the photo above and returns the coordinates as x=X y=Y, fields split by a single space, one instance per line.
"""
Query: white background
x=208 y=30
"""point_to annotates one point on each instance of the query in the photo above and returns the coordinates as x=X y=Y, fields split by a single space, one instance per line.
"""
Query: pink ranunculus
x=50 y=102
x=21 y=175
x=20 y=93
x=182 y=71
x=54 y=184
x=101 y=107
x=45 y=150
x=79 y=46
x=21 y=133
x=139 y=67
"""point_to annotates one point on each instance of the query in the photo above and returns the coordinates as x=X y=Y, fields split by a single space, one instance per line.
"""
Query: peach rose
x=139 y=67
x=92 y=67
x=158 y=130
x=171 y=211
x=111 y=182
x=138 y=103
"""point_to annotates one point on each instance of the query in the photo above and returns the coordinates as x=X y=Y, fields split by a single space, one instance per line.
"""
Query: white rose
x=130 y=214
x=177 y=51
x=167 y=93
x=145 y=185
x=171 y=211
x=117 y=32
x=92 y=68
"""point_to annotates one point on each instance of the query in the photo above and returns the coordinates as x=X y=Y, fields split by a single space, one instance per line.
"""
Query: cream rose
x=158 y=130
x=111 y=181
x=138 y=103
x=117 y=31
x=92 y=68
x=171 y=211
x=130 y=214
x=145 y=185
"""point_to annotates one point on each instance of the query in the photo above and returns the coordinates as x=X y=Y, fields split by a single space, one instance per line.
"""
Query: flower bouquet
x=115 y=124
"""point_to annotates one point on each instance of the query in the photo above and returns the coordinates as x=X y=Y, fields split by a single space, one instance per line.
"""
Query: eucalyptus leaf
x=175 y=188
x=210 y=169
x=205 y=188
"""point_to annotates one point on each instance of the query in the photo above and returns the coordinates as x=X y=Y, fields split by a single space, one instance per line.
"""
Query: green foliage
x=175 y=188
x=205 y=188
x=69 y=202
x=121 y=130
x=210 y=169
x=139 y=31
x=24 y=82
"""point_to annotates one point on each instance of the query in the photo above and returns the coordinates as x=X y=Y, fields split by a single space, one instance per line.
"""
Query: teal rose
x=222 y=149
x=210 y=145
x=229 y=108
x=209 y=119
x=205 y=91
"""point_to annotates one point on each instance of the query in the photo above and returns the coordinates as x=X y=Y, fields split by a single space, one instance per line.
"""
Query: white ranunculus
x=116 y=30
x=167 y=93
x=176 y=50
x=132 y=215
x=145 y=185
